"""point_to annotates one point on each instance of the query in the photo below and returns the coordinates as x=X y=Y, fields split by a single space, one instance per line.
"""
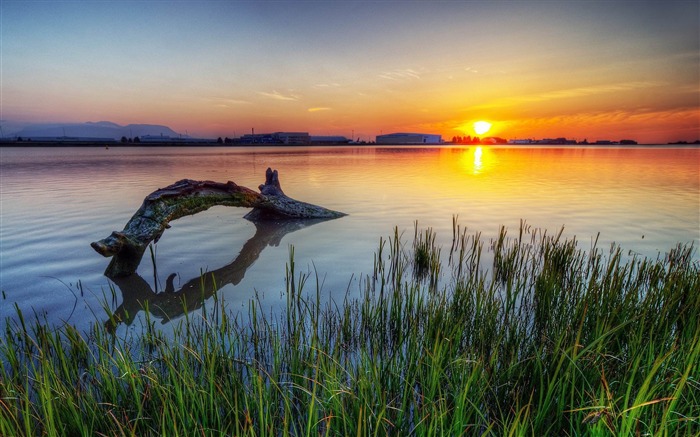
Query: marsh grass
x=426 y=256
x=554 y=340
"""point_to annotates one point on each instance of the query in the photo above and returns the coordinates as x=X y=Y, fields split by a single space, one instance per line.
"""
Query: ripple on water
x=56 y=201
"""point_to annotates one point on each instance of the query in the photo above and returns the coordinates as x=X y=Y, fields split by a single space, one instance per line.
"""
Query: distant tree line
x=476 y=140
x=466 y=140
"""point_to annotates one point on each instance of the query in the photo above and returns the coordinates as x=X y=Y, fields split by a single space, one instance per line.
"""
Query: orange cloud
x=276 y=95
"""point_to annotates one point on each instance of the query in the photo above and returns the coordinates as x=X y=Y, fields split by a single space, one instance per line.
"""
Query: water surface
x=55 y=201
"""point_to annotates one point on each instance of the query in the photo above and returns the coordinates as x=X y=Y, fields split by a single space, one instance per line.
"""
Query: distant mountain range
x=101 y=129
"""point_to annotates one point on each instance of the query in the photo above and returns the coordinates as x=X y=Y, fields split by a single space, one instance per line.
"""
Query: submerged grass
x=554 y=341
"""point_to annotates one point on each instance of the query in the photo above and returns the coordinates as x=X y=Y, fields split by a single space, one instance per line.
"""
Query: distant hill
x=100 y=129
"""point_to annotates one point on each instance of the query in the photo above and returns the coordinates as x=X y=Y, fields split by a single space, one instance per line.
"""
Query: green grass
x=550 y=340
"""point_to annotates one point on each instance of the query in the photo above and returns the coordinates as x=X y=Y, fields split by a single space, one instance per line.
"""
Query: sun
x=481 y=127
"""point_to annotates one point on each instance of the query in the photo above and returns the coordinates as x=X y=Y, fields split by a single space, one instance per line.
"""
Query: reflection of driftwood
x=187 y=197
x=137 y=293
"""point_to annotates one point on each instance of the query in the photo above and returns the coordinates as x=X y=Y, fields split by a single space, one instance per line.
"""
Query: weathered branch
x=187 y=197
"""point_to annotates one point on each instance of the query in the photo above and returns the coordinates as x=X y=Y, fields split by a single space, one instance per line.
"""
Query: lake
x=56 y=201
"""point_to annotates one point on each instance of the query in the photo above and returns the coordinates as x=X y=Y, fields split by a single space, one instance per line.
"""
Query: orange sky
x=535 y=69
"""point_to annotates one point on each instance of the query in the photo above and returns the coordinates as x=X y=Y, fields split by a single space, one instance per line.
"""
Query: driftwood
x=188 y=197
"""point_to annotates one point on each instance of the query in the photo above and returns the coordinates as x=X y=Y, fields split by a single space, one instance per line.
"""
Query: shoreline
x=117 y=144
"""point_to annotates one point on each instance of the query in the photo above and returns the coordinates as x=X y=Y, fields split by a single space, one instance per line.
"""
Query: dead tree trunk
x=188 y=197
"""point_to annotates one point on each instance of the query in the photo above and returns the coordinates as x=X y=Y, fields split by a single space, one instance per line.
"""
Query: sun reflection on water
x=478 y=163
x=476 y=160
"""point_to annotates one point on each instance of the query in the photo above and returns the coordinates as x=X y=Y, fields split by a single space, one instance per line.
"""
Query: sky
x=595 y=70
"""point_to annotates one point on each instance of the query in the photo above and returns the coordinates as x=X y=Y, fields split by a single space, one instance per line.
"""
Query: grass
x=551 y=340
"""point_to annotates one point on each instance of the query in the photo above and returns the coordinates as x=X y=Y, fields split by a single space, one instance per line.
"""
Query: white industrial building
x=295 y=138
x=329 y=139
x=409 y=138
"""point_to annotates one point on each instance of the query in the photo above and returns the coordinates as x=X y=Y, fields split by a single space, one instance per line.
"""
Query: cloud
x=235 y=102
x=328 y=85
x=588 y=91
x=317 y=109
x=568 y=93
x=221 y=102
x=403 y=74
x=279 y=96
x=639 y=120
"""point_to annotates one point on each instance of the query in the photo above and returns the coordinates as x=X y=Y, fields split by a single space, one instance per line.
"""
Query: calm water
x=56 y=201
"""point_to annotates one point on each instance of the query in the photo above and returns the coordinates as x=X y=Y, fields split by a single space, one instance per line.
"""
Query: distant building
x=290 y=138
x=256 y=139
x=494 y=140
x=409 y=138
x=329 y=139
x=299 y=138
x=521 y=141
x=166 y=139
x=67 y=139
x=556 y=141
x=155 y=139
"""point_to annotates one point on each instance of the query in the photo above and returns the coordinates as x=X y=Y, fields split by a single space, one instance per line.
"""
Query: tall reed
x=552 y=340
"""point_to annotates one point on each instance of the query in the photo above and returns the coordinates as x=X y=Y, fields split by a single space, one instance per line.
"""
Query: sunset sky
x=534 y=69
